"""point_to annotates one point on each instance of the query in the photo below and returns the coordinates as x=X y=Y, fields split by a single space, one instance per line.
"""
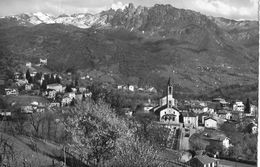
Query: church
x=167 y=111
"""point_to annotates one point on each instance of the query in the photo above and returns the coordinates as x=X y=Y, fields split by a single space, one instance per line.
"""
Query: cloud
x=223 y=8
x=118 y=5
x=234 y=9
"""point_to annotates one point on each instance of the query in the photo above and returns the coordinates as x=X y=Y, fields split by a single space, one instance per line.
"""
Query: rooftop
x=189 y=114
x=204 y=159
x=55 y=84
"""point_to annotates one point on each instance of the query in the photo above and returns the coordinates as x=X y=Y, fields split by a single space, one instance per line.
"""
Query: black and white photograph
x=129 y=83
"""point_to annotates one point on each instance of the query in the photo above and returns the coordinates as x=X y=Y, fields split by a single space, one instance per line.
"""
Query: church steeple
x=169 y=87
x=169 y=93
x=169 y=81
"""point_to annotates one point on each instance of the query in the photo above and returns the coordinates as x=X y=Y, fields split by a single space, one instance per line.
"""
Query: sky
x=232 y=9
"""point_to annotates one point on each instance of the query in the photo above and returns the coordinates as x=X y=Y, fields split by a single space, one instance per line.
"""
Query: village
x=191 y=123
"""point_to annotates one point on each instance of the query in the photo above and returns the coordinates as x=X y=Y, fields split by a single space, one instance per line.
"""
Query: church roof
x=189 y=114
x=158 y=110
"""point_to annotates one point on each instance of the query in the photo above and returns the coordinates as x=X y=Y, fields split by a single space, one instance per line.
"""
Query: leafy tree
x=38 y=76
x=144 y=120
x=197 y=143
x=214 y=148
x=158 y=135
x=95 y=128
x=19 y=119
x=99 y=135
x=35 y=120
x=235 y=151
x=136 y=153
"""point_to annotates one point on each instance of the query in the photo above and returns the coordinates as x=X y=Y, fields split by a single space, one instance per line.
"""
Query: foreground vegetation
x=92 y=135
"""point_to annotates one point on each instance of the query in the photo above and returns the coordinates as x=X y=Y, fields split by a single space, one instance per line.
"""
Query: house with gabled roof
x=190 y=119
x=56 y=87
x=211 y=123
x=203 y=161
x=224 y=114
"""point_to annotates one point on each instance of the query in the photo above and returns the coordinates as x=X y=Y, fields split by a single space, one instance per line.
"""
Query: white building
x=71 y=95
x=238 y=106
x=190 y=119
x=211 y=123
x=54 y=104
x=43 y=61
x=82 y=89
x=33 y=73
x=66 y=101
x=51 y=93
x=21 y=82
x=131 y=88
x=4 y=112
x=28 y=87
x=9 y=91
x=152 y=89
x=28 y=64
x=120 y=87
x=56 y=87
x=225 y=142
x=220 y=139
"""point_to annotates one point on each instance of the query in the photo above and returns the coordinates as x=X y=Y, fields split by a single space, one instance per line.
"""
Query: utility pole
x=64 y=156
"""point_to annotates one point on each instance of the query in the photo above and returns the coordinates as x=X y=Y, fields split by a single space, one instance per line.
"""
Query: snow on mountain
x=45 y=18
x=80 y=20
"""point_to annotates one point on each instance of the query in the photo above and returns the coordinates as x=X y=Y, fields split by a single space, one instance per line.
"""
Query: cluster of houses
x=197 y=116
x=134 y=88
x=42 y=62
x=53 y=94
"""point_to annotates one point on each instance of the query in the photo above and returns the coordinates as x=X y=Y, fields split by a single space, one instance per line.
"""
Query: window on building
x=170 y=90
x=170 y=103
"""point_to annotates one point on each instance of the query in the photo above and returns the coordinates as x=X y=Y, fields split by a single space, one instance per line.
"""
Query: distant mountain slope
x=149 y=44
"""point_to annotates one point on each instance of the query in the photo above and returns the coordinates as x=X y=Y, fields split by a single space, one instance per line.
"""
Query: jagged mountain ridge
x=156 y=21
x=145 y=43
x=80 y=20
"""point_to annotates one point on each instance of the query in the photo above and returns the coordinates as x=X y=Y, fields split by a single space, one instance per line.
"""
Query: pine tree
x=28 y=75
x=44 y=85
x=76 y=83
x=247 y=106
x=52 y=79
x=68 y=88
x=47 y=79
x=57 y=80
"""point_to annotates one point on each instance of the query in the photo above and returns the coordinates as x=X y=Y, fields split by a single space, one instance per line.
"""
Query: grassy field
x=26 y=154
x=24 y=99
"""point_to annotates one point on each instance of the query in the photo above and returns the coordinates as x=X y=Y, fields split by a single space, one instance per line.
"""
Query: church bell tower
x=169 y=93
